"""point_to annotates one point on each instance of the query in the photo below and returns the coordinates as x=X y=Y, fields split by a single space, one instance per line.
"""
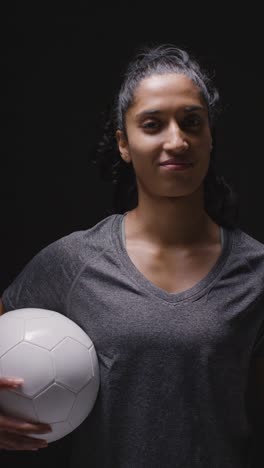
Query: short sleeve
x=44 y=282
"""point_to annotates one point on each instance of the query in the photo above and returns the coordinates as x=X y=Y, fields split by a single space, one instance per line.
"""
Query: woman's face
x=168 y=119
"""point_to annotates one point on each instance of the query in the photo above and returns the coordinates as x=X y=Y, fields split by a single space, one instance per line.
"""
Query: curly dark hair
x=220 y=199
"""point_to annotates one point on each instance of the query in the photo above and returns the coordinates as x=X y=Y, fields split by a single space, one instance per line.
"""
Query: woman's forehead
x=168 y=89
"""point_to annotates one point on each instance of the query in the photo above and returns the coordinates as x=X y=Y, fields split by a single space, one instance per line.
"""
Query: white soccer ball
x=59 y=365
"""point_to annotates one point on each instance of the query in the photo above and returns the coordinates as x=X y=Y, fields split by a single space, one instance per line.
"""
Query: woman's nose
x=175 y=141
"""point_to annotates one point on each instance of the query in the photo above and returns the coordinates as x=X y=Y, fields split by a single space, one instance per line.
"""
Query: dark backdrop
x=60 y=68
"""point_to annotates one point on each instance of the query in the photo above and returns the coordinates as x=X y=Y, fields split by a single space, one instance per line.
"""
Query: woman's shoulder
x=84 y=240
x=250 y=240
x=248 y=247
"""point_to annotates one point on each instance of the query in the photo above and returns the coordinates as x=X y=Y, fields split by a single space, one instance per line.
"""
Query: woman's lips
x=176 y=167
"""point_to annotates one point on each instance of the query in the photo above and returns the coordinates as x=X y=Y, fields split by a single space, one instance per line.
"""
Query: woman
x=170 y=292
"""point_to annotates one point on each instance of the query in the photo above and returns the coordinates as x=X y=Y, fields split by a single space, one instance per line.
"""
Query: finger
x=10 y=382
x=12 y=424
x=21 y=442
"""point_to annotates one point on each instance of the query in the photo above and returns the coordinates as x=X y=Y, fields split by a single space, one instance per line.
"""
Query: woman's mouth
x=176 y=167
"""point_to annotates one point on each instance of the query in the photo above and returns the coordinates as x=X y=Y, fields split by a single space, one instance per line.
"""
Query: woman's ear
x=122 y=145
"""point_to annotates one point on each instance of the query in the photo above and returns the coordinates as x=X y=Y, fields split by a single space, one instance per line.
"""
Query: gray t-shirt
x=173 y=366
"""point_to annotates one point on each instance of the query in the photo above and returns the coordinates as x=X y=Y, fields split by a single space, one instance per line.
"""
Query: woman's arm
x=2 y=310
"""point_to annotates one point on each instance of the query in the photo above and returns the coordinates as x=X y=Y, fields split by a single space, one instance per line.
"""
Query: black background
x=60 y=65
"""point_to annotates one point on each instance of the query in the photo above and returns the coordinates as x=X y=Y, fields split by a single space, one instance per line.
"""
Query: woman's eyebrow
x=194 y=108
x=148 y=112
x=157 y=111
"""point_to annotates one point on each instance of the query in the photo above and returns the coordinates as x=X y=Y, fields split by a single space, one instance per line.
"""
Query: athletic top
x=173 y=366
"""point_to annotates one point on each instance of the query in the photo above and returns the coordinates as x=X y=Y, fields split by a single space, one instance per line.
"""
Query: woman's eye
x=192 y=121
x=150 y=125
